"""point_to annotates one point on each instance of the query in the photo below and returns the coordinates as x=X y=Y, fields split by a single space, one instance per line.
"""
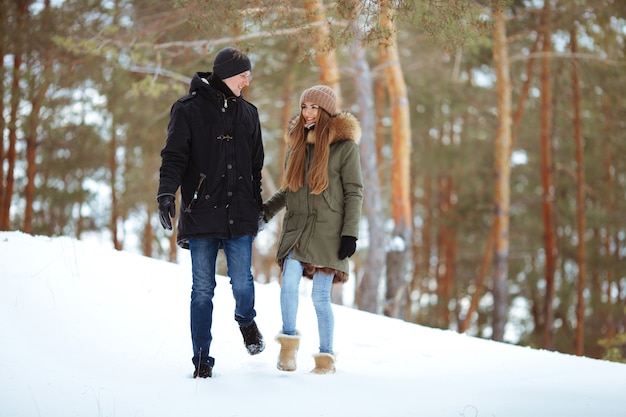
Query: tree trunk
x=32 y=143
x=502 y=175
x=3 y=35
x=113 y=168
x=325 y=57
x=546 y=181
x=172 y=254
x=480 y=281
x=446 y=252
x=80 y=221
x=427 y=228
x=287 y=111
x=37 y=99
x=420 y=241
x=398 y=258
x=286 y=114
x=31 y=165
x=609 y=202
x=488 y=254
x=380 y=109
x=367 y=290
x=147 y=236
x=525 y=90
x=579 y=338
x=16 y=96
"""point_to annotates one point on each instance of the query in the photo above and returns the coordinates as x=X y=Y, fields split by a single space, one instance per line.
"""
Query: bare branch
x=207 y=44
x=161 y=72
x=590 y=57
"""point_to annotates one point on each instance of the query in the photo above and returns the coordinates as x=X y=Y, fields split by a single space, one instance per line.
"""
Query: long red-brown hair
x=317 y=177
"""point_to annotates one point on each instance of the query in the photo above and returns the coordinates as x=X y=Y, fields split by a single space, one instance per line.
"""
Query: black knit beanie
x=230 y=61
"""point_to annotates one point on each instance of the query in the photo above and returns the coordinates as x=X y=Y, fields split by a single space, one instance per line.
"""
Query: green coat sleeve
x=352 y=182
x=275 y=204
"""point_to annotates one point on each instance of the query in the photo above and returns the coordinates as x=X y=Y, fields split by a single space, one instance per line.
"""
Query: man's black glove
x=167 y=210
x=347 y=247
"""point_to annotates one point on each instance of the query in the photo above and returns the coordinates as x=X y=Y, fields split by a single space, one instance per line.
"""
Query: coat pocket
x=196 y=193
x=334 y=204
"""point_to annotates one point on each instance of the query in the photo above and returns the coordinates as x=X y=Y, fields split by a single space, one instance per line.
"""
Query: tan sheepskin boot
x=324 y=363
x=288 y=349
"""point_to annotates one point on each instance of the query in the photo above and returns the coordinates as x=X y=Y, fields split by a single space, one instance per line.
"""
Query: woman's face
x=310 y=112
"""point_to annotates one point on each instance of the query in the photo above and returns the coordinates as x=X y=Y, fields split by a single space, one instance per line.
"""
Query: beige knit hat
x=321 y=95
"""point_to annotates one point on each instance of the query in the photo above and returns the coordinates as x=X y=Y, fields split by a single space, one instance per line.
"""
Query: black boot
x=203 y=371
x=252 y=338
x=204 y=367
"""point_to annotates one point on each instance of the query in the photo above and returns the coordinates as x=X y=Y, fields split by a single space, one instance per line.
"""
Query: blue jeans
x=289 y=294
x=238 y=253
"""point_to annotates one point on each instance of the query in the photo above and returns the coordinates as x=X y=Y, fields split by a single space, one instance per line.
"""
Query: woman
x=323 y=195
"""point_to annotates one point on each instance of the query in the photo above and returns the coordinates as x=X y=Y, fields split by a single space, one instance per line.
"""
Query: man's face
x=238 y=82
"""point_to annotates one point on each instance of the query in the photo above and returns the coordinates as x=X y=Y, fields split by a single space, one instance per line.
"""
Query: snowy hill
x=88 y=331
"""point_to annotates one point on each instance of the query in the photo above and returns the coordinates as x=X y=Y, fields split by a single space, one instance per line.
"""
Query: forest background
x=493 y=143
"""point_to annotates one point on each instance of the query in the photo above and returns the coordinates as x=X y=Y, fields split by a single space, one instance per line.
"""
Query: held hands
x=261 y=220
x=347 y=247
x=167 y=210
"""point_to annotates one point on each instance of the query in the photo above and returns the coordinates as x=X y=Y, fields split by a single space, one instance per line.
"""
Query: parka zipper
x=197 y=192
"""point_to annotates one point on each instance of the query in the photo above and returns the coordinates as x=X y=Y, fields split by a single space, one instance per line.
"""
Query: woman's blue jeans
x=289 y=294
x=238 y=253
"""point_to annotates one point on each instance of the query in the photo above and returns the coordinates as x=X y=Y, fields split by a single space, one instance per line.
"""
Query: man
x=214 y=153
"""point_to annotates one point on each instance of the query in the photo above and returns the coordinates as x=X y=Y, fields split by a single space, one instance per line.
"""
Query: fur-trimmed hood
x=343 y=126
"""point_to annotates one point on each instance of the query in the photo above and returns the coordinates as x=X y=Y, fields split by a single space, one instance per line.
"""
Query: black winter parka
x=214 y=153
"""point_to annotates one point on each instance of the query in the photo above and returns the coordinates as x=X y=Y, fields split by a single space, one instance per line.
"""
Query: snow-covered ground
x=88 y=331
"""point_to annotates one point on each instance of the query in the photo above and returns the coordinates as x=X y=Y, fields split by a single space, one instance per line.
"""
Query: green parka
x=313 y=224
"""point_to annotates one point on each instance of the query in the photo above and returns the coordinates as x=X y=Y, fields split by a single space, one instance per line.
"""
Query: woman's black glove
x=167 y=210
x=347 y=247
